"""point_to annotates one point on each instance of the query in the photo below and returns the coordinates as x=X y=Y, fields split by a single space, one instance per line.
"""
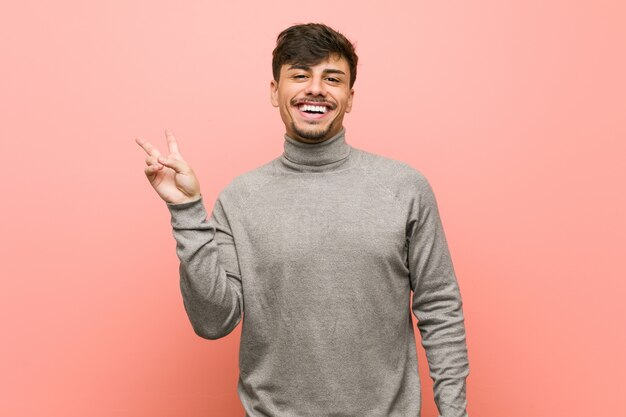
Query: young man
x=318 y=251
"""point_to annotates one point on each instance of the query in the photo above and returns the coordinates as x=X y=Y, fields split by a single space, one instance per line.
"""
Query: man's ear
x=349 y=104
x=274 y=93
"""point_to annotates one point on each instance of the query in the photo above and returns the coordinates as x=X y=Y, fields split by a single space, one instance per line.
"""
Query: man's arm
x=437 y=304
x=210 y=280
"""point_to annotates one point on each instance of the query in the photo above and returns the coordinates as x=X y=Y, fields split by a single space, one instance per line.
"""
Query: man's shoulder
x=400 y=178
x=389 y=169
x=243 y=184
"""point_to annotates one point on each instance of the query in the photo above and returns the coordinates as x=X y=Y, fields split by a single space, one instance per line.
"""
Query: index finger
x=150 y=150
x=171 y=142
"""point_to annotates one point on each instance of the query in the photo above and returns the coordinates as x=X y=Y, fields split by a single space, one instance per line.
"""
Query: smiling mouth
x=311 y=109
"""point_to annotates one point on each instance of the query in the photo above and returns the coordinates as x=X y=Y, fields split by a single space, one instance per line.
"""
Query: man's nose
x=315 y=87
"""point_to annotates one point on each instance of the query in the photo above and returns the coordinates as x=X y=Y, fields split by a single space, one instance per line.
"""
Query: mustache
x=297 y=102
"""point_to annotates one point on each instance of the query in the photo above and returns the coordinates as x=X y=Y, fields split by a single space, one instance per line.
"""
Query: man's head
x=309 y=44
x=314 y=69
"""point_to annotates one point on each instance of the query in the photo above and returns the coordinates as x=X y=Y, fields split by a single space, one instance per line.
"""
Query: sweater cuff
x=188 y=214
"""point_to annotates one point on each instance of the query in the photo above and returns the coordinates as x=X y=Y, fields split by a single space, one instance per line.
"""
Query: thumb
x=178 y=166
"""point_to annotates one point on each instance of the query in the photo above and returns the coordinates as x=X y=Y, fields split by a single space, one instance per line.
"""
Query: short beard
x=311 y=135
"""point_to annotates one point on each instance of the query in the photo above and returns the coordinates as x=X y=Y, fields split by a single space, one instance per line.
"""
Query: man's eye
x=333 y=80
x=299 y=76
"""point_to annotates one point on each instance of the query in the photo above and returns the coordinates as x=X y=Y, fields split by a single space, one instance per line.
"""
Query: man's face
x=313 y=99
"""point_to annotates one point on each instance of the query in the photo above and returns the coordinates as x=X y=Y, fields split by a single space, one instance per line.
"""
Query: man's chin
x=311 y=134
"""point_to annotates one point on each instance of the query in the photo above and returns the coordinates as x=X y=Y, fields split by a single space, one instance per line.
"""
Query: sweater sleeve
x=437 y=303
x=210 y=280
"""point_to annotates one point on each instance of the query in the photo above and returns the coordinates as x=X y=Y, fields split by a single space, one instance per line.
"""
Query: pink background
x=514 y=110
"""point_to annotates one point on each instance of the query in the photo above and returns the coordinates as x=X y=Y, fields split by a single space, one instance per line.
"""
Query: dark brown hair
x=309 y=44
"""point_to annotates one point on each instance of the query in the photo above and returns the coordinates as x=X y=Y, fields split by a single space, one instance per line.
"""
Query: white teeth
x=308 y=107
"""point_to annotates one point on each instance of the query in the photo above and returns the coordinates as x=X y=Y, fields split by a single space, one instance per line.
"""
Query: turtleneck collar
x=327 y=152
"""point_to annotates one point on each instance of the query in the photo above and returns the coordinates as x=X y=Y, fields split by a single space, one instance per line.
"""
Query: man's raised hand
x=171 y=177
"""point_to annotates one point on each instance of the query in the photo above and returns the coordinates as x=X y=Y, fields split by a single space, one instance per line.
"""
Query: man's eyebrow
x=334 y=71
x=307 y=68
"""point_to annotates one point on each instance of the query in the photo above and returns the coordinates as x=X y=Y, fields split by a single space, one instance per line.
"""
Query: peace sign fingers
x=170 y=176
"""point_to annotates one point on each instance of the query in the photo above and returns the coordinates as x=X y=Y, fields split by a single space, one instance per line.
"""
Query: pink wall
x=513 y=109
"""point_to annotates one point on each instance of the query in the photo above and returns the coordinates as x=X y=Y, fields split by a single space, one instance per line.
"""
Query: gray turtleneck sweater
x=322 y=254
